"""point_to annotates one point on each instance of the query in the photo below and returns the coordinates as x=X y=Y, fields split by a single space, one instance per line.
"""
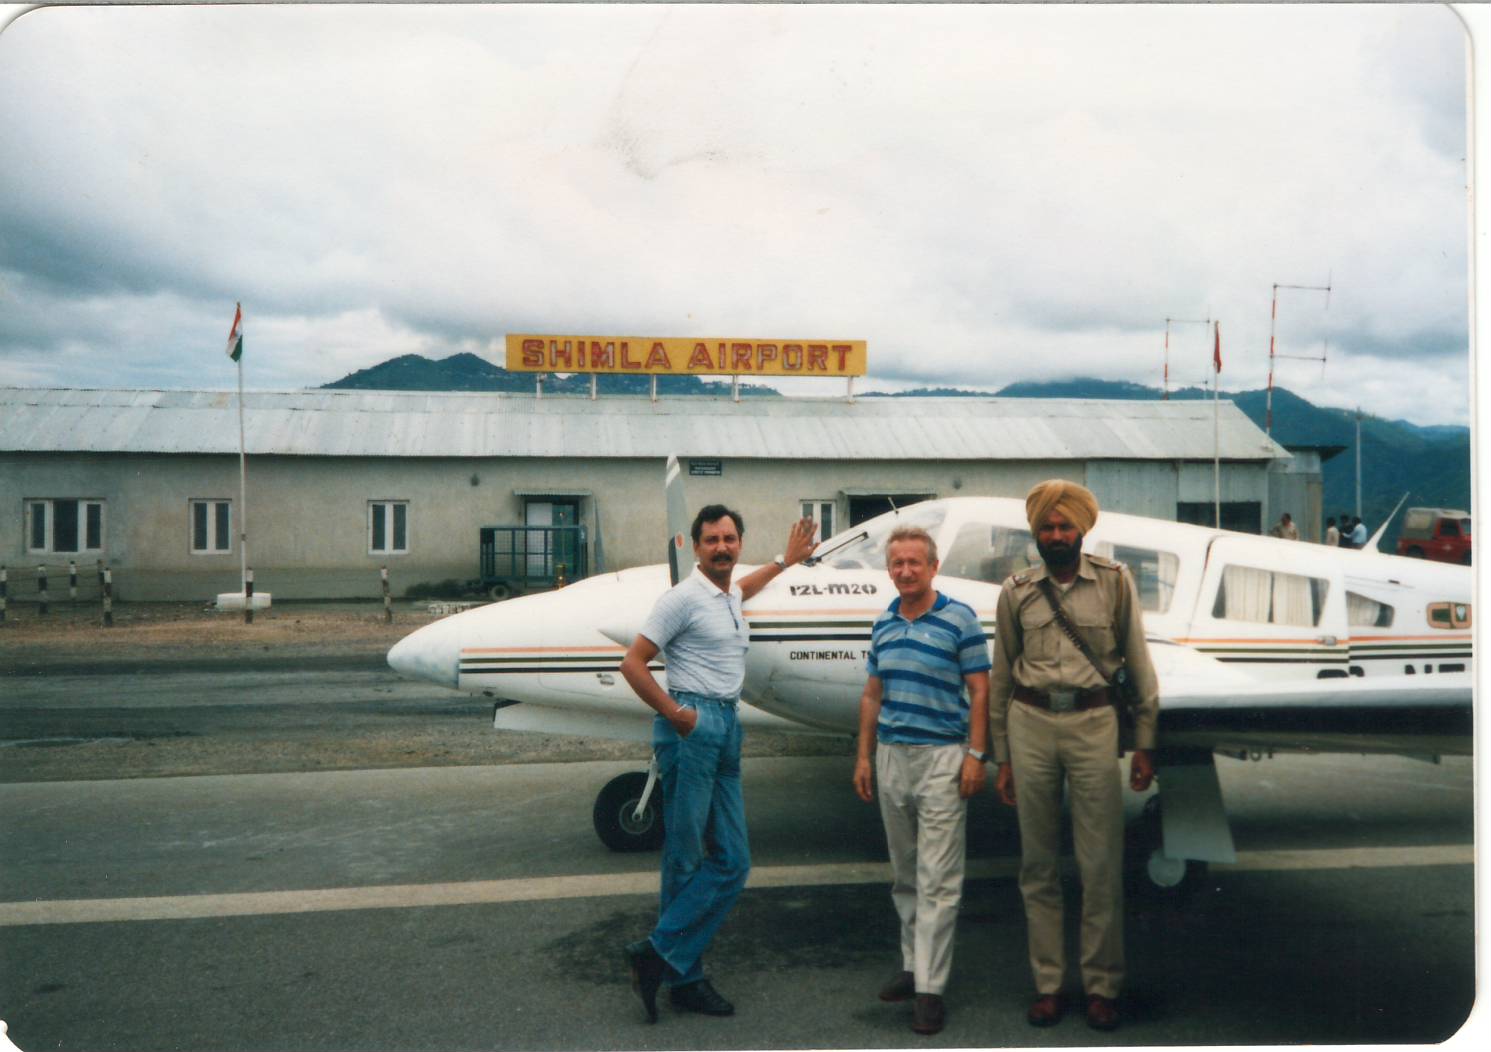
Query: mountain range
x=1429 y=463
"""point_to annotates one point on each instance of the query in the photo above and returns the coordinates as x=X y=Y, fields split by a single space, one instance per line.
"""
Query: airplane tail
x=1371 y=544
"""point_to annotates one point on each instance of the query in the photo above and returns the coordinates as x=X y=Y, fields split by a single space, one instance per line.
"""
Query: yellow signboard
x=674 y=355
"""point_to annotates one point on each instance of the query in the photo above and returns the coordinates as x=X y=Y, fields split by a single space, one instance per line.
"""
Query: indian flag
x=235 y=337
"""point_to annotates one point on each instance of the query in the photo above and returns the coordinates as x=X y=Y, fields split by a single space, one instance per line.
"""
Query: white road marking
x=544 y=889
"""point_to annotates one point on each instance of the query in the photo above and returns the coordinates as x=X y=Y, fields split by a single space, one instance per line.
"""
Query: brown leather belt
x=1064 y=700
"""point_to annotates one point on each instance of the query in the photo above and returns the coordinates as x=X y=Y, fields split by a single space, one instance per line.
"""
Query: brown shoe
x=927 y=1015
x=1102 y=1013
x=1045 y=1010
x=901 y=987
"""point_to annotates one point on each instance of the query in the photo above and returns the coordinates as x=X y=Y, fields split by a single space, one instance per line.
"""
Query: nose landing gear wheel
x=614 y=814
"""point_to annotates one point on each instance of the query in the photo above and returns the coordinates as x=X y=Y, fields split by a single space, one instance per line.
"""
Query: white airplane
x=1261 y=645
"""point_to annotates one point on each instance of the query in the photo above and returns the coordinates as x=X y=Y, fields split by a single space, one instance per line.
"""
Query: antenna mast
x=1177 y=321
x=1268 y=417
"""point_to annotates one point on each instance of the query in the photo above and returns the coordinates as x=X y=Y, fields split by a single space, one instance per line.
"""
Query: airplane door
x=1272 y=610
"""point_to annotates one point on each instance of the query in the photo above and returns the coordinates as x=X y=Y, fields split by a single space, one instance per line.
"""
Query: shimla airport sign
x=673 y=355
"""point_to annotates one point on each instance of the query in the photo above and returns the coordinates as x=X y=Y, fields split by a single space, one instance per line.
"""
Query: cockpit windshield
x=987 y=551
x=973 y=546
x=863 y=547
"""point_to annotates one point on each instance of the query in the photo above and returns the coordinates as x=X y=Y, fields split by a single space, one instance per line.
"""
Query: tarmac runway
x=472 y=907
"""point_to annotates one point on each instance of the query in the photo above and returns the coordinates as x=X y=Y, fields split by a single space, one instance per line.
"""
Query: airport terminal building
x=343 y=483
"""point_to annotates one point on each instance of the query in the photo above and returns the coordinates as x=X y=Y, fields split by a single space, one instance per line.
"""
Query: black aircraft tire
x=1148 y=874
x=614 y=807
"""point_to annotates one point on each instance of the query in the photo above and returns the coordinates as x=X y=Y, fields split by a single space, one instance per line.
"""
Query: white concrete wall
x=308 y=515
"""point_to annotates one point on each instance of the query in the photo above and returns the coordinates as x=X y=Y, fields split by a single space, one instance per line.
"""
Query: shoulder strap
x=1049 y=591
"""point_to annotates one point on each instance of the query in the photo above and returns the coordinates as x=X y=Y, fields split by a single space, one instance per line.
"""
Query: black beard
x=1060 y=556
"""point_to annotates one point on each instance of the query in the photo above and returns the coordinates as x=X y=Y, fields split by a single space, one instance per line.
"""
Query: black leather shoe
x=700 y=997
x=647 y=969
x=901 y=987
x=927 y=1015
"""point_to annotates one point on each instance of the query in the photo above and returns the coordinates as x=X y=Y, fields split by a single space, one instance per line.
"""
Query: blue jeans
x=706 y=855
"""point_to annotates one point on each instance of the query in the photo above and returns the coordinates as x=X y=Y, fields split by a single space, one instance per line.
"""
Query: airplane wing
x=1432 y=717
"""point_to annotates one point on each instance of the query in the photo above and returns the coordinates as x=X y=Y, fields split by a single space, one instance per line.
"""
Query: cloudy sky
x=984 y=194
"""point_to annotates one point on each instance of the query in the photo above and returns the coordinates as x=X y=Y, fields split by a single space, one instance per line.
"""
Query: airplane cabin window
x=1448 y=615
x=983 y=551
x=1364 y=612
x=1154 y=572
x=869 y=551
x=1270 y=597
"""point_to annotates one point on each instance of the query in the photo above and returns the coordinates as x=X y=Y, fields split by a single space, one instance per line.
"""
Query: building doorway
x=866 y=506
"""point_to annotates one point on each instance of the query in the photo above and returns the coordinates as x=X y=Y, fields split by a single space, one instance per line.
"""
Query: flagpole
x=1216 y=425
x=242 y=493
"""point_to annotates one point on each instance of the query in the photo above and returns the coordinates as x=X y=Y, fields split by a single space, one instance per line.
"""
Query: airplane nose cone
x=432 y=653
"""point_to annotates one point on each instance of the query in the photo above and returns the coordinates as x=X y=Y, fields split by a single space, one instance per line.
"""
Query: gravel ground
x=72 y=636
x=304 y=688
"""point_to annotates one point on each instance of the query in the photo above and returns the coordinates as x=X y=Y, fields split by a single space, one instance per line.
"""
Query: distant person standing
x=1287 y=529
x=1358 y=533
x=1332 y=535
x=923 y=736
x=701 y=631
x=1345 y=531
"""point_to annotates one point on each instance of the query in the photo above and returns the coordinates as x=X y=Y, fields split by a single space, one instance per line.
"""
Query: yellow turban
x=1076 y=503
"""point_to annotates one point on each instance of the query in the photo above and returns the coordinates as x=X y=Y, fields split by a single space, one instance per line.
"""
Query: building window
x=822 y=514
x=212 y=526
x=58 y=526
x=388 y=527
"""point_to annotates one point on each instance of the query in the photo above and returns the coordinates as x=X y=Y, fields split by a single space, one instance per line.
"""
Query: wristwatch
x=981 y=757
x=781 y=561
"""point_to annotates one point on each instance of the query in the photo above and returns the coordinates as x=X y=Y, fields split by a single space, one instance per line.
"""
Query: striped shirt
x=703 y=636
x=921 y=665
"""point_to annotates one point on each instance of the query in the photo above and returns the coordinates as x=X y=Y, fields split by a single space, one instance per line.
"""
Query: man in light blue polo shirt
x=924 y=714
x=700 y=630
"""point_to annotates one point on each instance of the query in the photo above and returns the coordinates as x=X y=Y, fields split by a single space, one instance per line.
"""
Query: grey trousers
x=924 y=832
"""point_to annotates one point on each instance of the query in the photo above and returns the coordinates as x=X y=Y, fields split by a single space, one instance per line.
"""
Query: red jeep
x=1442 y=534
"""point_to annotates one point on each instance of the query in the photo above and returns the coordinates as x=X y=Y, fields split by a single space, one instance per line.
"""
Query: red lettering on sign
x=533 y=353
x=700 y=359
x=658 y=356
x=842 y=350
x=627 y=361
x=792 y=356
x=602 y=356
x=741 y=357
x=765 y=352
x=561 y=354
x=818 y=357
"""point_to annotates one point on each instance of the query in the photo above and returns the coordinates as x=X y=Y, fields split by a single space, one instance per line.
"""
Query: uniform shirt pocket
x=1040 y=631
x=1096 y=629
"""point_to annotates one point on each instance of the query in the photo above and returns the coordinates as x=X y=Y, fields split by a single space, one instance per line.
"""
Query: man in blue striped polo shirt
x=925 y=714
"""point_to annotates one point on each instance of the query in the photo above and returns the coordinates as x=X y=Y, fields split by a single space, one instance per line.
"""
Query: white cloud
x=986 y=194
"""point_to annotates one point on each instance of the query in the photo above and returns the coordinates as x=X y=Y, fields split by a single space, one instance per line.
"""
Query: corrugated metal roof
x=410 y=424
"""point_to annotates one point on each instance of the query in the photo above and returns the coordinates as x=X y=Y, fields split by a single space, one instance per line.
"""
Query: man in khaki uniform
x=1052 y=717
